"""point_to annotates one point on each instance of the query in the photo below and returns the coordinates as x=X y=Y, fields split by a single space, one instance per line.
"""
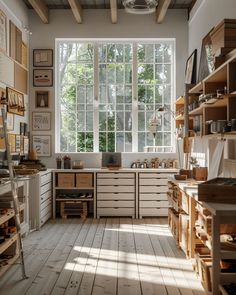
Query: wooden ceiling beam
x=42 y=10
x=77 y=10
x=162 y=10
x=113 y=7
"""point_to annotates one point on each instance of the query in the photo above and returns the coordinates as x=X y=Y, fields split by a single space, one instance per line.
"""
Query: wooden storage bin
x=224 y=35
x=71 y=208
x=184 y=237
x=204 y=265
x=84 y=180
x=65 y=179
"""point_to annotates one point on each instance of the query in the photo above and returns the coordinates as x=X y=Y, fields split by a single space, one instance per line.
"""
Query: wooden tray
x=218 y=190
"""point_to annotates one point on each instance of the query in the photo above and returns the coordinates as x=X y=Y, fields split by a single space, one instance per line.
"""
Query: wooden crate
x=204 y=265
x=84 y=180
x=74 y=208
x=218 y=190
x=224 y=35
x=185 y=202
x=173 y=219
x=184 y=236
x=65 y=179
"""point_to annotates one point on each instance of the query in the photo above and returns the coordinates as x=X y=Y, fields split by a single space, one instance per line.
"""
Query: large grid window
x=107 y=93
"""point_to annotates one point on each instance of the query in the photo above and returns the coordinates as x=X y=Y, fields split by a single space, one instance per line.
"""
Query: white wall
x=205 y=15
x=17 y=12
x=97 y=24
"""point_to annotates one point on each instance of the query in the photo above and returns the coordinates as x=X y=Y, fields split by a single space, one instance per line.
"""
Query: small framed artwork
x=190 y=72
x=10 y=122
x=12 y=142
x=15 y=102
x=25 y=145
x=42 y=145
x=3 y=31
x=41 y=121
x=43 y=57
x=17 y=143
x=41 y=99
x=43 y=77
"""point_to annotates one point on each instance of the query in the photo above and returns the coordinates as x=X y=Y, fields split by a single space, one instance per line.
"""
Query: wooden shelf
x=10 y=262
x=228 y=254
x=8 y=242
x=219 y=103
x=4 y=218
x=198 y=88
x=74 y=188
x=179 y=100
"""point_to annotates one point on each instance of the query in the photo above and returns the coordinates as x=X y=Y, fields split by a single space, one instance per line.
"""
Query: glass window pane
x=102 y=141
x=119 y=121
x=81 y=94
x=119 y=53
x=167 y=94
x=128 y=52
x=111 y=73
x=141 y=141
x=119 y=141
x=128 y=121
x=141 y=53
x=111 y=52
x=81 y=121
x=145 y=74
x=167 y=53
x=89 y=121
x=89 y=142
x=102 y=52
x=120 y=74
x=85 y=52
x=111 y=142
x=128 y=142
x=102 y=73
x=149 y=52
x=141 y=121
x=158 y=94
x=102 y=121
x=102 y=94
x=159 y=53
x=111 y=121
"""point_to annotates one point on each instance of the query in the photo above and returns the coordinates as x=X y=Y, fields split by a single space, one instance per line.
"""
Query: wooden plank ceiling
x=42 y=7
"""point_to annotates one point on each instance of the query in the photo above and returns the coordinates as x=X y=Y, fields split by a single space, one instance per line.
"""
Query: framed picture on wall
x=190 y=72
x=41 y=121
x=42 y=77
x=43 y=57
x=16 y=103
x=42 y=99
x=3 y=31
x=42 y=145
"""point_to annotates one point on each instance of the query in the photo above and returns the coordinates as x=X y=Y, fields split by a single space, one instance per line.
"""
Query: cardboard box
x=84 y=180
x=66 y=179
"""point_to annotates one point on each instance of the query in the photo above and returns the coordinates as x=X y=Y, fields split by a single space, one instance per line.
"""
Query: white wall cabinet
x=40 y=201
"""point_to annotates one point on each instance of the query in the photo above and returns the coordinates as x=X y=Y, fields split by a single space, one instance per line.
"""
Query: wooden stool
x=74 y=208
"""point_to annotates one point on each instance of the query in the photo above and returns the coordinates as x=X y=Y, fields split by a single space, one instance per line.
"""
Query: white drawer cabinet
x=153 y=188
x=116 y=194
x=40 y=199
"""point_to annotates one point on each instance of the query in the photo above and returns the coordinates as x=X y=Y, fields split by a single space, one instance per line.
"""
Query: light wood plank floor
x=111 y=256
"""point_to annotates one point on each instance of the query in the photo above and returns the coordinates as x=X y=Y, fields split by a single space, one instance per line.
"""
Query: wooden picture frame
x=206 y=64
x=41 y=121
x=10 y=122
x=3 y=31
x=42 y=99
x=42 y=57
x=15 y=102
x=42 y=145
x=190 y=71
x=42 y=77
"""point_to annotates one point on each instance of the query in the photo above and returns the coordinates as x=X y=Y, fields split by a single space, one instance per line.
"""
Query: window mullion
x=135 y=100
x=96 y=102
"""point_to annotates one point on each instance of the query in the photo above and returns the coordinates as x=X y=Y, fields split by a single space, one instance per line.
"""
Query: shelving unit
x=201 y=240
x=71 y=186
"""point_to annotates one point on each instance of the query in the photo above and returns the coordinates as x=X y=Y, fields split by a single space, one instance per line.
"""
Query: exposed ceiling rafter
x=113 y=6
x=161 y=10
x=41 y=9
x=77 y=10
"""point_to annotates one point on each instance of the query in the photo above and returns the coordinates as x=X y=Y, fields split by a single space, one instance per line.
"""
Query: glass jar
x=67 y=162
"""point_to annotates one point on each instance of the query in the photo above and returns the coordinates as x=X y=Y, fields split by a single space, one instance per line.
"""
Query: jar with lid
x=67 y=162
x=58 y=161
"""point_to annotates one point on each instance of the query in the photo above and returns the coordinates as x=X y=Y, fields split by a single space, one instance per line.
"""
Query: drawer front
x=115 y=189
x=45 y=178
x=45 y=218
x=48 y=202
x=153 y=197
x=153 y=181
x=46 y=211
x=115 y=175
x=115 y=212
x=115 y=196
x=115 y=181
x=115 y=204
x=45 y=196
x=154 y=175
x=153 y=189
x=45 y=188
x=153 y=204
x=153 y=212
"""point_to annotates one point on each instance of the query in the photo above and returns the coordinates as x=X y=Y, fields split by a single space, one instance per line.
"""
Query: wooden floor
x=101 y=257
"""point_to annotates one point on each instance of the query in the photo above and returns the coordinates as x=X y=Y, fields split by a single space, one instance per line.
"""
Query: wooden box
x=204 y=265
x=224 y=35
x=65 y=179
x=200 y=173
x=71 y=208
x=84 y=180
x=184 y=232
x=185 y=203
x=218 y=190
x=173 y=219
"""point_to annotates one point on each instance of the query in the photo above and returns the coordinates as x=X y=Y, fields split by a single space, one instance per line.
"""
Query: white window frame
x=96 y=41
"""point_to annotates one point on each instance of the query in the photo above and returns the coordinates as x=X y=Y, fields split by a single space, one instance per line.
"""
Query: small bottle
x=67 y=162
x=59 y=161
